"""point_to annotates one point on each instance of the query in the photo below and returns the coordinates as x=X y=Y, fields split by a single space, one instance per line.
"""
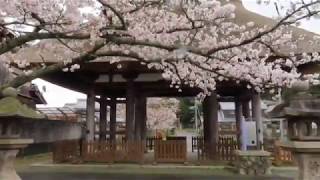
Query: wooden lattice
x=170 y=151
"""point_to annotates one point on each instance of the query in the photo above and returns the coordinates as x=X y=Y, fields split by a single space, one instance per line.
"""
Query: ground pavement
x=40 y=167
x=136 y=172
x=88 y=176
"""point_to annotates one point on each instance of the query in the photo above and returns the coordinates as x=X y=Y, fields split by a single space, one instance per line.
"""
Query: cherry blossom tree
x=195 y=43
x=162 y=113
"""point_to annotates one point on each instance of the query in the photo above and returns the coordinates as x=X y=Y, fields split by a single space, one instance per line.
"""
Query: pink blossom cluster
x=194 y=44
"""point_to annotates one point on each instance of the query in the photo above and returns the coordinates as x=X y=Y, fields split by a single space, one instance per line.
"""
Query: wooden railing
x=170 y=151
x=66 y=151
x=150 y=142
x=222 y=151
x=111 y=152
x=195 y=142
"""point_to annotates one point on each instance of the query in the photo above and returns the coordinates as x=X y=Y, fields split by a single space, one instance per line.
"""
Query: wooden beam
x=109 y=102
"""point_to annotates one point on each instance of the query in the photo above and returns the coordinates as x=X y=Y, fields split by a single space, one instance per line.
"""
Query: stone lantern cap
x=10 y=106
x=307 y=107
x=303 y=115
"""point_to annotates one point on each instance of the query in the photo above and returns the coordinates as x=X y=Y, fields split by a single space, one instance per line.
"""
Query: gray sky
x=57 y=96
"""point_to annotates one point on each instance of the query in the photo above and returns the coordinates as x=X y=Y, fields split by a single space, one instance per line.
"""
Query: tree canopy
x=196 y=43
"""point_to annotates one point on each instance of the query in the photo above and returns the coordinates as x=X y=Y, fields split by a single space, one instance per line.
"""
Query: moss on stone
x=11 y=106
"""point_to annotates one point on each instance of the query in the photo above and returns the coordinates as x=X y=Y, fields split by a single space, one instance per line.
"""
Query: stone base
x=307 y=157
x=9 y=149
x=7 y=170
x=253 y=162
x=309 y=166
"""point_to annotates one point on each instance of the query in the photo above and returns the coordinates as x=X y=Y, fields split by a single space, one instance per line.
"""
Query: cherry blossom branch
x=10 y=44
x=275 y=27
x=144 y=4
x=117 y=13
x=85 y=57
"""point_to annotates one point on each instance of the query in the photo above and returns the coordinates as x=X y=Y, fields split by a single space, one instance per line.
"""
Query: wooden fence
x=281 y=155
x=170 y=151
x=150 y=142
x=222 y=151
x=66 y=151
x=106 y=152
x=195 y=142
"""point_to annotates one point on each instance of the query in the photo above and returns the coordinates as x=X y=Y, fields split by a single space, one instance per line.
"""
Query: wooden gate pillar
x=103 y=119
x=140 y=117
x=130 y=101
x=257 y=116
x=144 y=120
x=211 y=127
x=90 y=115
x=238 y=116
x=113 y=119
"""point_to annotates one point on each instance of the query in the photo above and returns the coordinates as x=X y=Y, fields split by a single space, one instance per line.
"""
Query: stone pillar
x=90 y=118
x=7 y=158
x=113 y=119
x=139 y=116
x=211 y=127
x=257 y=116
x=103 y=118
x=8 y=152
x=238 y=116
x=246 y=109
x=130 y=101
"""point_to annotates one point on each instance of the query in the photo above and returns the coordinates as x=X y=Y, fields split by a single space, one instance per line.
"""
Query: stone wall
x=253 y=162
x=46 y=131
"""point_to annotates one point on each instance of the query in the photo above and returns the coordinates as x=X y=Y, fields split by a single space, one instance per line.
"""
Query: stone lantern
x=12 y=113
x=303 y=116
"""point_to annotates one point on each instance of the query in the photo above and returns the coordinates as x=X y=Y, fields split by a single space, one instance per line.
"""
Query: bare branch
x=117 y=13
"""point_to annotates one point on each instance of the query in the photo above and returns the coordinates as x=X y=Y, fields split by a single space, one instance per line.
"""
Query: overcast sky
x=57 y=96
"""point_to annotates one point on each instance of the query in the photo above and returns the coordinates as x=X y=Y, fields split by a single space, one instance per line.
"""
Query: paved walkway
x=134 y=172
x=87 y=176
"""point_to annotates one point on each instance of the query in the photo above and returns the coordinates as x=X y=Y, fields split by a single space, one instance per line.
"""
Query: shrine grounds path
x=115 y=176
x=38 y=169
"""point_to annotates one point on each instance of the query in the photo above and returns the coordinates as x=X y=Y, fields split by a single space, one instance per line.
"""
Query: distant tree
x=162 y=113
x=186 y=112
